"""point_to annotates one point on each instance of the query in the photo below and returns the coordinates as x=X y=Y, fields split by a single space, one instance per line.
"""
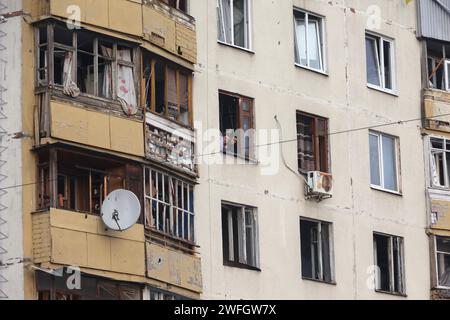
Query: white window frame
x=382 y=187
x=248 y=18
x=242 y=235
x=433 y=152
x=401 y=263
x=447 y=74
x=436 y=262
x=380 y=62
x=319 y=248
x=321 y=41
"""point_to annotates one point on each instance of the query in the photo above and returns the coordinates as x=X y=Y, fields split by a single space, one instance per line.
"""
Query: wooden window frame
x=178 y=71
x=321 y=152
x=241 y=114
x=115 y=61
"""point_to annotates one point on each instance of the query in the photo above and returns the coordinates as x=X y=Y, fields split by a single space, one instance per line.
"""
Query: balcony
x=153 y=21
x=437 y=109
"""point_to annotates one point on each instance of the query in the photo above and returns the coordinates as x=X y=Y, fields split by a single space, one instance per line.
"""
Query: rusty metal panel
x=434 y=19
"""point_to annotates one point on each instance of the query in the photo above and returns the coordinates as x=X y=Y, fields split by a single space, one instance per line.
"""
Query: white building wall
x=11 y=200
x=279 y=88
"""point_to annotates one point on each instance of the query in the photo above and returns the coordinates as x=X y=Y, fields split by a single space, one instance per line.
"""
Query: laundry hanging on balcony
x=70 y=87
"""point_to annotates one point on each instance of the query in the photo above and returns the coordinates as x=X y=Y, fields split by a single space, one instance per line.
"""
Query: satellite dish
x=121 y=210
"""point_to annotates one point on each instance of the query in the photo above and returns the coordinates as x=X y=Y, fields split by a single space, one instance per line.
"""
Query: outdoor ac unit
x=320 y=185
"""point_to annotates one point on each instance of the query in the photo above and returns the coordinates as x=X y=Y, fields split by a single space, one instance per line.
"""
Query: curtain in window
x=373 y=62
x=107 y=75
x=434 y=172
x=239 y=23
x=300 y=33
x=126 y=91
x=224 y=20
x=70 y=87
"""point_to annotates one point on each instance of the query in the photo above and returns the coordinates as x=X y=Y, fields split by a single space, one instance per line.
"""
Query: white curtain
x=107 y=73
x=434 y=174
x=70 y=87
x=126 y=90
x=224 y=14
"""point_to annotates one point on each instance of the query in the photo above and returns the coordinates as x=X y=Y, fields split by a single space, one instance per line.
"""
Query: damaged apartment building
x=105 y=84
x=312 y=188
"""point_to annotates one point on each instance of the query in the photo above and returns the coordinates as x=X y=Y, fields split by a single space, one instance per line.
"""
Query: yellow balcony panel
x=437 y=109
x=96 y=129
x=170 y=266
x=72 y=239
x=440 y=215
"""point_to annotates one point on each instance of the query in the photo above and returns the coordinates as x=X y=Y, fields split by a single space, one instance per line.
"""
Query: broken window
x=84 y=62
x=177 y=4
x=384 y=162
x=309 y=40
x=237 y=125
x=438 y=65
x=316 y=250
x=169 y=205
x=443 y=261
x=240 y=236
x=233 y=22
x=380 y=62
x=168 y=90
x=76 y=182
x=440 y=162
x=312 y=142
x=388 y=254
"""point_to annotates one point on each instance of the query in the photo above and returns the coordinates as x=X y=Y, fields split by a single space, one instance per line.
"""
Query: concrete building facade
x=278 y=150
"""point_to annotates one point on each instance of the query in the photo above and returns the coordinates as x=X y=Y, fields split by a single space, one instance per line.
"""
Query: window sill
x=380 y=89
x=332 y=283
x=232 y=264
x=377 y=188
x=397 y=294
x=237 y=156
x=236 y=47
x=324 y=73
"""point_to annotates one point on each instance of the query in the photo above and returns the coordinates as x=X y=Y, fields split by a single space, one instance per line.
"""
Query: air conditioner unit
x=320 y=185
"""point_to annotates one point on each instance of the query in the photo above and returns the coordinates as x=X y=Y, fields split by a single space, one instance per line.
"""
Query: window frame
x=447 y=74
x=150 y=100
x=401 y=262
x=315 y=135
x=98 y=38
x=240 y=113
x=382 y=187
x=247 y=19
x=322 y=43
x=320 y=225
x=240 y=261
x=380 y=40
x=170 y=205
x=436 y=253
x=446 y=170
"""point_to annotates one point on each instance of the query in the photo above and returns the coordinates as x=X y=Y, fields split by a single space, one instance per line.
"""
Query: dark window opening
x=177 y=4
x=316 y=250
x=438 y=62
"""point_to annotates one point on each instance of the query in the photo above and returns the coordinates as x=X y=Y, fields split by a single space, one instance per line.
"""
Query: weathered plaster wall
x=279 y=88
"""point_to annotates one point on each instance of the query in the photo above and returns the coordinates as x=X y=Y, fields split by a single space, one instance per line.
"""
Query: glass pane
x=63 y=36
x=387 y=65
x=373 y=62
x=389 y=163
x=240 y=23
x=374 y=160
x=443 y=263
x=85 y=73
x=224 y=21
x=443 y=244
x=301 y=40
x=305 y=136
x=314 y=53
x=326 y=253
x=437 y=143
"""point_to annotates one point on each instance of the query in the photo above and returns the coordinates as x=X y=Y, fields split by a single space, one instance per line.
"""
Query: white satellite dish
x=121 y=210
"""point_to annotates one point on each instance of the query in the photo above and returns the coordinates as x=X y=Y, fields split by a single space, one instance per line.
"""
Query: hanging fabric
x=126 y=91
x=107 y=74
x=70 y=87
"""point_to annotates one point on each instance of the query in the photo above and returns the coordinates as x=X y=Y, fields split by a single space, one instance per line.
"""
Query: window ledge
x=237 y=156
x=380 y=89
x=236 y=47
x=231 y=264
x=324 y=73
x=332 y=283
x=397 y=193
x=397 y=294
